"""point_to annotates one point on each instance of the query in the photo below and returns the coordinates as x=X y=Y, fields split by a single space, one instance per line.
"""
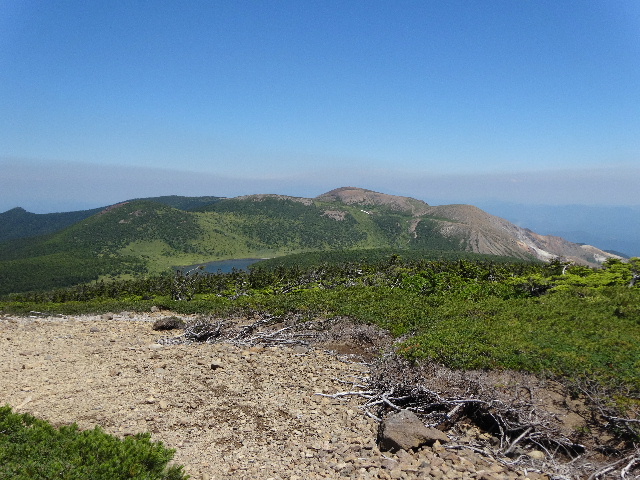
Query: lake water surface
x=225 y=266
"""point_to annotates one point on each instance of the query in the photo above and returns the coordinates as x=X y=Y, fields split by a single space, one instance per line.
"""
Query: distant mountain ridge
x=611 y=228
x=152 y=235
x=19 y=223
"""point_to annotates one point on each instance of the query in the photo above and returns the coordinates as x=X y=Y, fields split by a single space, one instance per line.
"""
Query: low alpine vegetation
x=556 y=318
x=33 y=449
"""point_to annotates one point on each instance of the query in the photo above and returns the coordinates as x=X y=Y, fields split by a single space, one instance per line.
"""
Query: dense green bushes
x=562 y=333
x=32 y=449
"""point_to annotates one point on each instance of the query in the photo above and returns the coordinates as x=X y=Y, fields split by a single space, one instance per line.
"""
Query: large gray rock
x=405 y=431
x=168 y=323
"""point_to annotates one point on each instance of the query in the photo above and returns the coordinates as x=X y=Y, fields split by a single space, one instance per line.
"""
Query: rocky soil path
x=230 y=412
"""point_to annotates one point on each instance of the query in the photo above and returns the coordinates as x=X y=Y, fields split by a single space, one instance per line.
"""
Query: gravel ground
x=228 y=411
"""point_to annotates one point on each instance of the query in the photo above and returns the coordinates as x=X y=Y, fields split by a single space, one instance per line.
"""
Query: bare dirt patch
x=232 y=408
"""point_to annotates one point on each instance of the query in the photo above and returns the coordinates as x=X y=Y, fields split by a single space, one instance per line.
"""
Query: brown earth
x=361 y=196
x=229 y=411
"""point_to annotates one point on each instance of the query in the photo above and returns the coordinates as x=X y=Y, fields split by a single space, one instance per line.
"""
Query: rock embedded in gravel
x=405 y=431
x=168 y=323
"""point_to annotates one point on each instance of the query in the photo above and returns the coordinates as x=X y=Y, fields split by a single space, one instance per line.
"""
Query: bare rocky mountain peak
x=362 y=196
x=487 y=233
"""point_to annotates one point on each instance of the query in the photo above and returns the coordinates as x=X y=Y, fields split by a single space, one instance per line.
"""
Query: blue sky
x=448 y=101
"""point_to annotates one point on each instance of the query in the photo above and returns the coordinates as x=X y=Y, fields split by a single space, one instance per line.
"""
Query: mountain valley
x=156 y=234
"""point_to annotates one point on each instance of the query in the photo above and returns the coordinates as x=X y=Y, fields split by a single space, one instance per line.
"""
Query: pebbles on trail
x=229 y=412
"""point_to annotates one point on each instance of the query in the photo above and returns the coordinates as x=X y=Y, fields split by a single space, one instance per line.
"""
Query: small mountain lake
x=225 y=266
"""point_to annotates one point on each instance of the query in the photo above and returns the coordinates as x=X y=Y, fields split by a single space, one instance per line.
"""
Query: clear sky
x=447 y=101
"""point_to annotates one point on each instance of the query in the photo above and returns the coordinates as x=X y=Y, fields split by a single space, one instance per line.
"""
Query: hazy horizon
x=47 y=187
x=448 y=102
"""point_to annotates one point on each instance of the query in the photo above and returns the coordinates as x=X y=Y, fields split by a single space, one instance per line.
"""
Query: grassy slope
x=92 y=247
x=143 y=236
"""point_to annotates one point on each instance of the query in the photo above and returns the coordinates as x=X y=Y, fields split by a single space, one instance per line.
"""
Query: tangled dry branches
x=500 y=415
x=259 y=332
x=512 y=425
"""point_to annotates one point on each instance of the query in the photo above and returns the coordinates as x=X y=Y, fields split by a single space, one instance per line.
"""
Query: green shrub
x=589 y=334
x=33 y=449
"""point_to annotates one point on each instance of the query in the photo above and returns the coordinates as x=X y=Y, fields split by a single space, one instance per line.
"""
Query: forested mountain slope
x=153 y=235
x=18 y=223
